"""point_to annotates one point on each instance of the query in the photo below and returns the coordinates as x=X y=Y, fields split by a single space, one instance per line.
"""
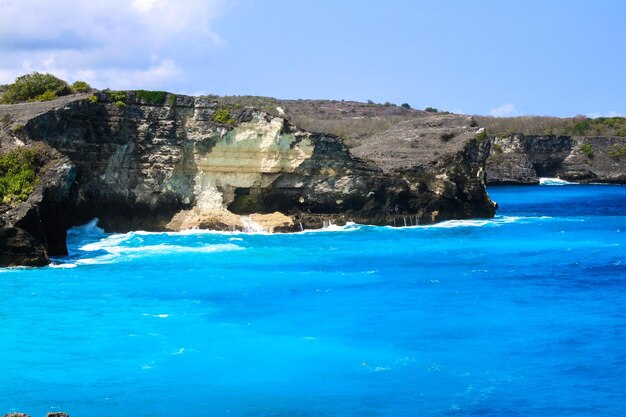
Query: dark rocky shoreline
x=209 y=162
x=198 y=162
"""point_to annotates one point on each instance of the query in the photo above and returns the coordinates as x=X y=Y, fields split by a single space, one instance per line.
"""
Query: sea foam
x=554 y=181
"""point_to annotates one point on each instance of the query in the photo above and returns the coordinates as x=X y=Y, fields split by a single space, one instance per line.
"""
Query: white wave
x=63 y=266
x=90 y=228
x=114 y=245
x=554 y=181
x=160 y=316
x=165 y=248
x=250 y=226
x=330 y=227
x=108 y=242
x=496 y=221
x=98 y=260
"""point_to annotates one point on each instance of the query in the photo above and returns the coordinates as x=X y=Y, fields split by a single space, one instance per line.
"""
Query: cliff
x=158 y=162
x=523 y=159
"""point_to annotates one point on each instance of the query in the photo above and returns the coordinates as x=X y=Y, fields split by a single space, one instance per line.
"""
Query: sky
x=492 y=57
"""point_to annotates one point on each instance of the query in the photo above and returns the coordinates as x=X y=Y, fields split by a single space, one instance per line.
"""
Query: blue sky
x=557 y=57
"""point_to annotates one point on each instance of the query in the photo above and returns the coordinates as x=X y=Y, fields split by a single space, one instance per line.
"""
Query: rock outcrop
x=523 y=159
x=181 y=162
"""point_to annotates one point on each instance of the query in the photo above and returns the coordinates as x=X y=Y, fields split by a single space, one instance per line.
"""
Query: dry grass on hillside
x=349 y=120
x=549 y=126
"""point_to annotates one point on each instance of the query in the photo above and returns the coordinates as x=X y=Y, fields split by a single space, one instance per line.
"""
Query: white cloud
x=505 y=110
x=112 y=43
x=611 y=113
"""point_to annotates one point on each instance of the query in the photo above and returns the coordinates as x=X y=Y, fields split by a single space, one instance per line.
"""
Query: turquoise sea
x=522 y=315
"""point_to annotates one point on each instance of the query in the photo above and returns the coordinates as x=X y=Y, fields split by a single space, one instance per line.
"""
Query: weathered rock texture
x=523 y=159
x=198 y=162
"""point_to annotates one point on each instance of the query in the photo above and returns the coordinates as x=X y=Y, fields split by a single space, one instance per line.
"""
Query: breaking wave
x=554 y=181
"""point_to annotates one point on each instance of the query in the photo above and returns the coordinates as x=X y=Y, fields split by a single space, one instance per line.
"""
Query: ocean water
x=522 y=315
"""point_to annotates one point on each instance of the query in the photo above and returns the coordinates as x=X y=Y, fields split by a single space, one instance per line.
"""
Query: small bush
x=18 y=173
x=617 y=152
x=116 y=95
x=405 y=105
x=431 y=110
x=5 y=120
x=497 y=148
x=120 y=104
x=47 y=96
x=17 y=128
x=580 y=128
x=587 y=149
x=151 y=97
x=481 y=135
x=446 y=136
x=30 y=87
x=81 y=87
x=223 y=116
x=93 y=99
x=171 y=100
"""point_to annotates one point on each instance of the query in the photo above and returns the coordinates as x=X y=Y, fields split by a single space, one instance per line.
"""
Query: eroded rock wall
x=196 y=162
x=523 y=159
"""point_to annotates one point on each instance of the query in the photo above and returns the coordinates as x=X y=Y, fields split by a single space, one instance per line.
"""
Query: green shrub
x=116 y=95
x=18 y=173
x=5 y=120
x=151 y=97
x=617 y=152
x=30 y=87
x=120 y=104
x=81 y=87
x=431 y=110
x=47 y=96
x=405 y=105
x=497 y=148
x=223 y=116
x=93 y=99
x=17 y=128
x=481 y=135
x=171 y=100
x=587 y=149
x=580 y=128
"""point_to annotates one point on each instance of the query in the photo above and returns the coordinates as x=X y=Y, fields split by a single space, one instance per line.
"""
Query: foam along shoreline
x=123 y=246
x=555 y=181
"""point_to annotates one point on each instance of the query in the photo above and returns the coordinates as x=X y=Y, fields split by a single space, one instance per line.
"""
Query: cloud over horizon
x=117 y=44
x=505 y=110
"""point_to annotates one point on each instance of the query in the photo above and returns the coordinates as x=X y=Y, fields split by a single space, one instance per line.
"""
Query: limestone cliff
x=523 y=159
x=180 y=162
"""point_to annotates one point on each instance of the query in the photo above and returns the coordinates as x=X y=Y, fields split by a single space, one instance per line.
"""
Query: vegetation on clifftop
x=35 y=87
x=151 y=97
x=39 y=87
x=553 y=126
x=18 y=173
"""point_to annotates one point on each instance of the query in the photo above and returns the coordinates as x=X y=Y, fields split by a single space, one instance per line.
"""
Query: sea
x=520 y=315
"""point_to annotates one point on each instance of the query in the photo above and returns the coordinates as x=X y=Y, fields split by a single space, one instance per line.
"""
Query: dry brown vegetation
x=553 y=126
x=354 y=121
x=349 y=120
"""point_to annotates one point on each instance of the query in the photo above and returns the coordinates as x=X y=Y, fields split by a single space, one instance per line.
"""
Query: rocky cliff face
x=523 y=159
x=197 y=162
